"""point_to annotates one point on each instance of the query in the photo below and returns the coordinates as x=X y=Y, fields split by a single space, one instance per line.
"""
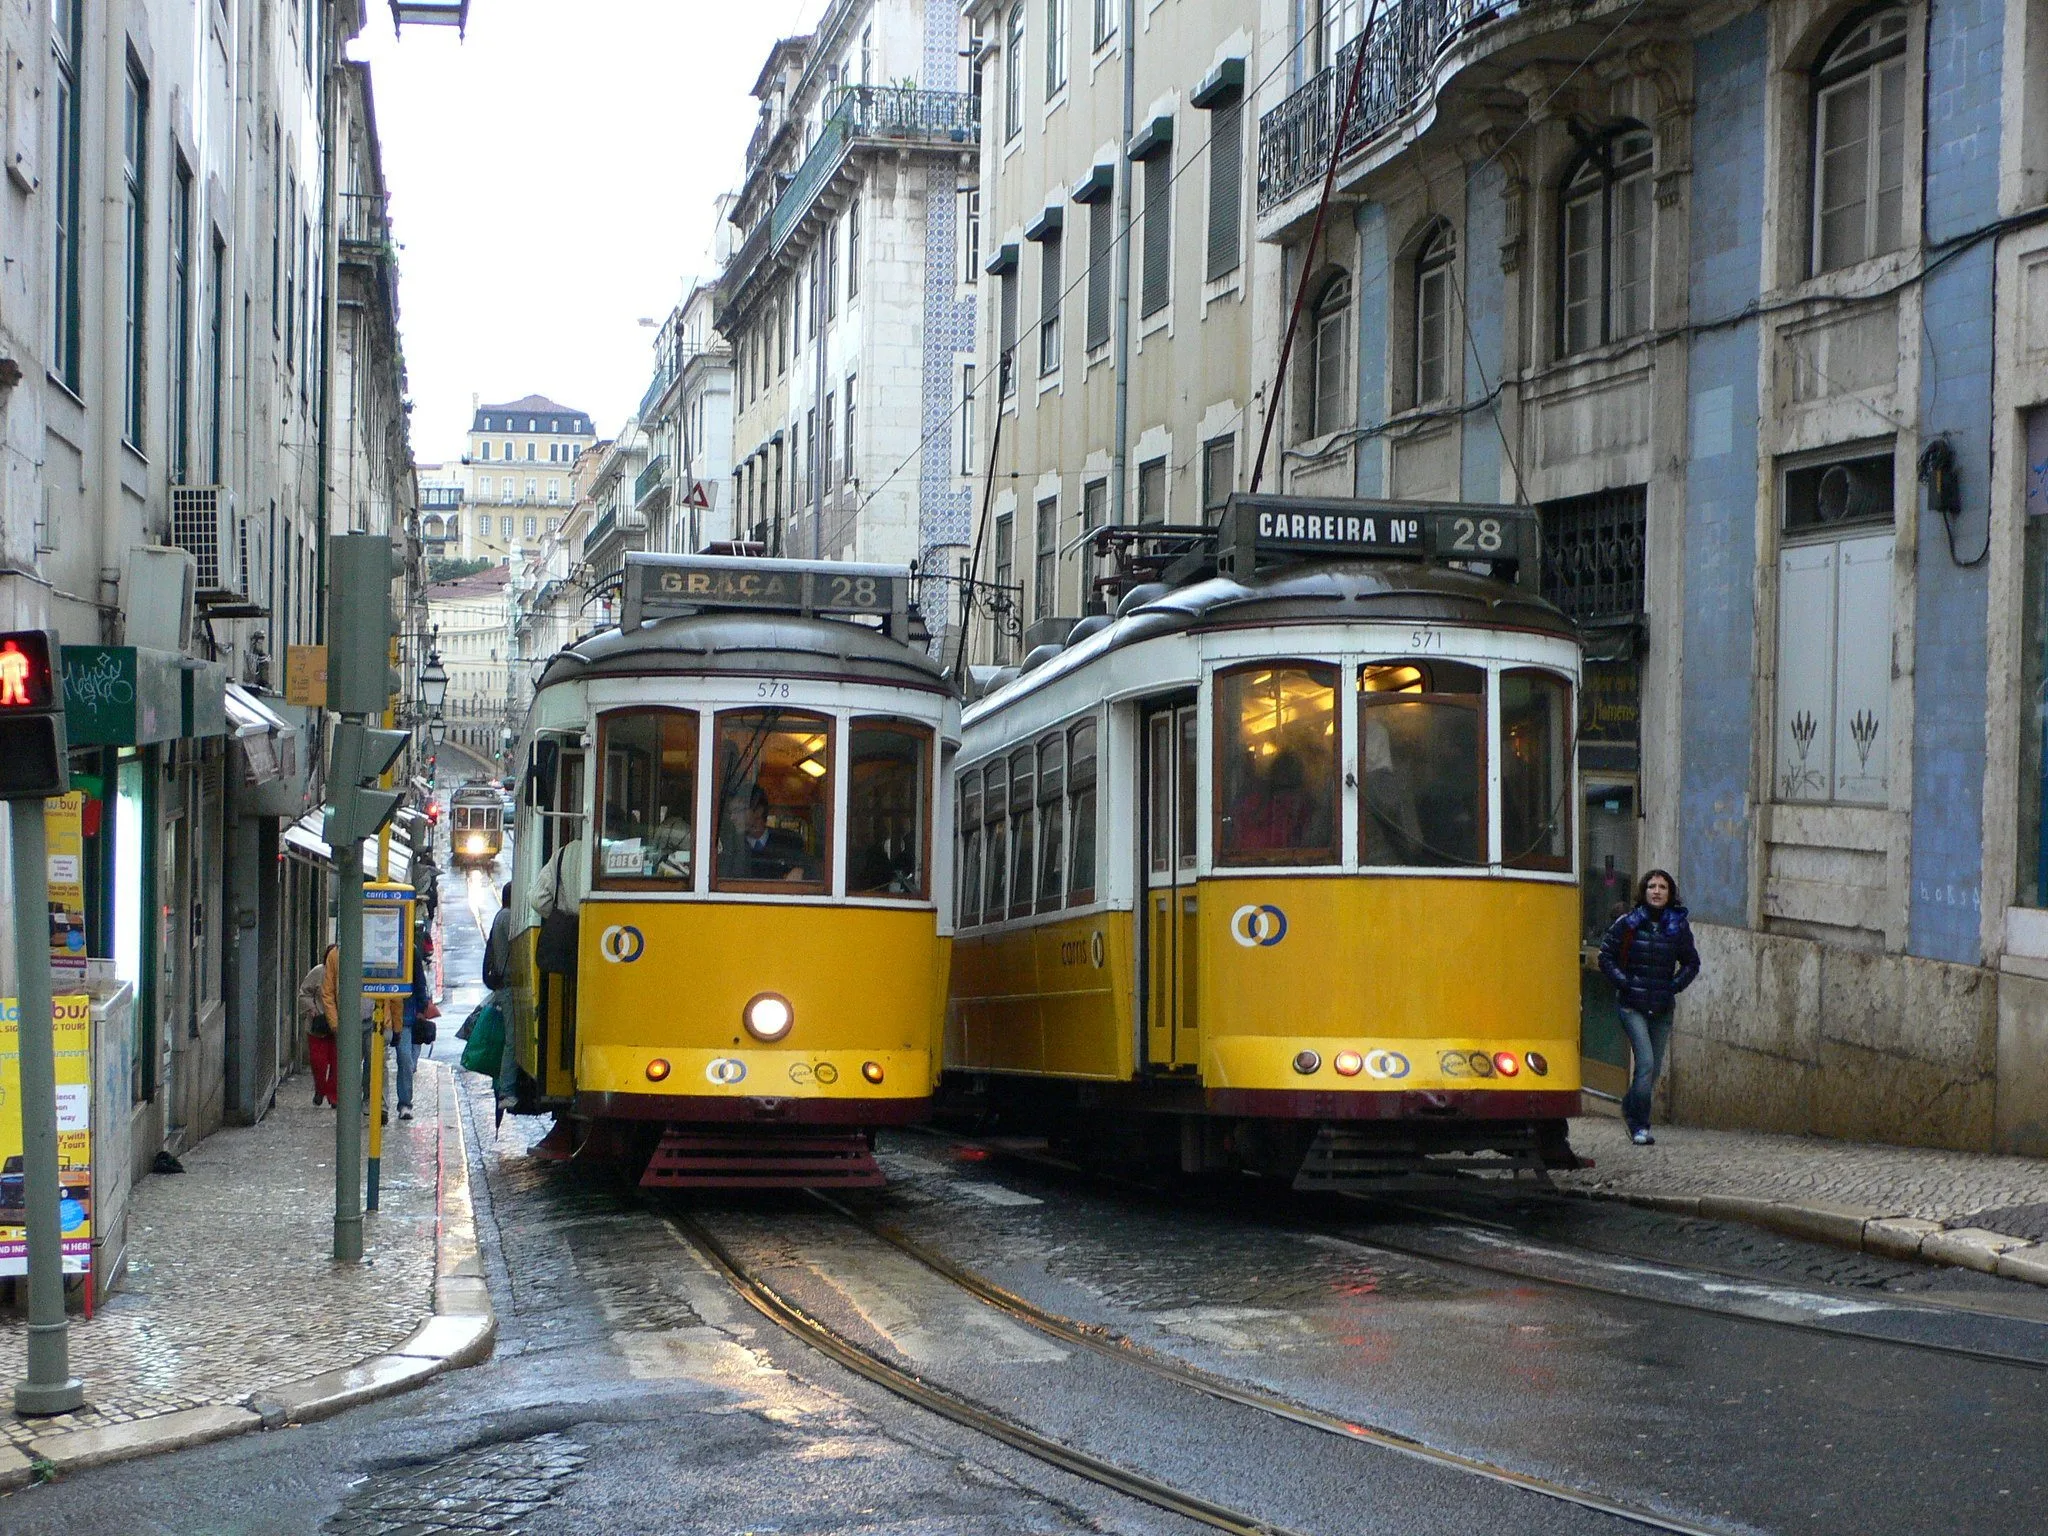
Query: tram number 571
x=1477 y=536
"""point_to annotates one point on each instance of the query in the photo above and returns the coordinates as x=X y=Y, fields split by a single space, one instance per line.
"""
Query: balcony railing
x=1297 y=136
x=617 y=521
x=365 y=220
x=652 y=479
x=880 y=113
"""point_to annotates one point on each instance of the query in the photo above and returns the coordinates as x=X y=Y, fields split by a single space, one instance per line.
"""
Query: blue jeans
x=408 y=1058
x=1649 y=1041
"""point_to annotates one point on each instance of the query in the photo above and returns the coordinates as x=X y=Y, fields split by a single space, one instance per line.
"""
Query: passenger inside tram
x=1280 y=781
x=775 y=798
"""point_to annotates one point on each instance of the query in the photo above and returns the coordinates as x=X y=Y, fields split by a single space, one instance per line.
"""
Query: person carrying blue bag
x=1649 y=956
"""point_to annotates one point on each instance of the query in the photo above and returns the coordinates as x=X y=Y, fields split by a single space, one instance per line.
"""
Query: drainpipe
x=818 y=428
x=111 y=406
x=329 y=314
x=1120 y=448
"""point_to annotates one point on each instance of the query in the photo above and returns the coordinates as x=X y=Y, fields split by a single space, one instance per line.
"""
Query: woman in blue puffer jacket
x=1649 y=956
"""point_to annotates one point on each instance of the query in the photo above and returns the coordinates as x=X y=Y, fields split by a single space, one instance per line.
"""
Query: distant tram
x=745 y=777
x=476 y=824
x=1274 y=869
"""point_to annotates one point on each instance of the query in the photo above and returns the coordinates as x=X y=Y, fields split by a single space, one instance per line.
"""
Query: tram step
x=744 y=1160
x=1348 y=1160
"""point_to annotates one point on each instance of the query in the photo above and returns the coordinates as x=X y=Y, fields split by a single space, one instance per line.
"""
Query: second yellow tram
x=1274 y=868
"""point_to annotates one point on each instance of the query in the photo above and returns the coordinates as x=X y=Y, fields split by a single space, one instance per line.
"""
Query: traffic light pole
x=348 y=1025
x=49 y=1387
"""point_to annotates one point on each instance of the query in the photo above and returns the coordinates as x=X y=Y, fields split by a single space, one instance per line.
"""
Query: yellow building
x=517 y=467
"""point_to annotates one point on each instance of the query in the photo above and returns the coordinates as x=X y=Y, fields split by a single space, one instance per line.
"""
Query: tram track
x=1107 y=1344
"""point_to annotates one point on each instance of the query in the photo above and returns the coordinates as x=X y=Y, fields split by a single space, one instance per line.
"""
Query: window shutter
x=1806 y=665
x=1226 y=187
x=1008 y=334
x=1863 y=668
x=1101 y=229
x=1158 y=252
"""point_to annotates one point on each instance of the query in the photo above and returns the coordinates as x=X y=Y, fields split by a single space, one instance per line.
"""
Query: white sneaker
x=1643 y=1139
x=405 y=1114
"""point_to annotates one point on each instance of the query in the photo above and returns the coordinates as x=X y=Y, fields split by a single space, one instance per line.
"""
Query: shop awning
x=302 y=840
x=261 y=737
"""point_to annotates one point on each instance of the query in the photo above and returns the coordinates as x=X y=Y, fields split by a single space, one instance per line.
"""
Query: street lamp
x=434 y=682
x=437 y=729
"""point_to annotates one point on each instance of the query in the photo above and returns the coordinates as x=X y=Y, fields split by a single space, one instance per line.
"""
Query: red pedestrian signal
x=33 y=762
x=27 y=679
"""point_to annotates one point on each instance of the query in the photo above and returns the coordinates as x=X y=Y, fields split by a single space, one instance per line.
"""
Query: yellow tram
x=736 y=789
x=1274 y=867
x=476 y=824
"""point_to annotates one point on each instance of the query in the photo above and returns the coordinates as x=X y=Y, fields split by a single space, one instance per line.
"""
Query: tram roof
x=786 y=645
x=1348 y=591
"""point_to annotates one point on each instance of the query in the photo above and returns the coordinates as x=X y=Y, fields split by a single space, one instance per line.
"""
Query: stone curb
x=460 y=1331
x=1882 y=1230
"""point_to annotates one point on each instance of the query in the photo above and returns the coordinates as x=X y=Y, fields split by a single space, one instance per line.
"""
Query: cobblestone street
x=230 y=1290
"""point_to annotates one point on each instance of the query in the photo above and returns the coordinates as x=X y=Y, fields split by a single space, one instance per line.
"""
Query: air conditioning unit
x=159 y=598
x=206 y=524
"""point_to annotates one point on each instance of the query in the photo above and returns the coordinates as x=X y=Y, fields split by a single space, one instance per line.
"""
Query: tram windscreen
x=774 y=799
x=1536 y=750
x=1422 y=748
x=885 y=808
x=1277 y=732
x=649 y=797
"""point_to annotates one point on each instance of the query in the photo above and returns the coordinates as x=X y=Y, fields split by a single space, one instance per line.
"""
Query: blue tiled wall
x=1717 y=700
x=1484 y=286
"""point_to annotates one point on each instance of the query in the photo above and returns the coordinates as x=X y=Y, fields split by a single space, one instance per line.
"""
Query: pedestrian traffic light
x=356 y=808
x=361 y=568
x=33 y=761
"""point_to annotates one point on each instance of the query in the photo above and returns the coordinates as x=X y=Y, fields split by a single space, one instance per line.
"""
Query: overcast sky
x=551 y=184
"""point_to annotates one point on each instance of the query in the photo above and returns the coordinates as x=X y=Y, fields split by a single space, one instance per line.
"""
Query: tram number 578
x=771 y=688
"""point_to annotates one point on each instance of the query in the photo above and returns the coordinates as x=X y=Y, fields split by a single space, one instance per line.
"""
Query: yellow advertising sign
x=73 y=1012
x=305 y=675
x=64 y=829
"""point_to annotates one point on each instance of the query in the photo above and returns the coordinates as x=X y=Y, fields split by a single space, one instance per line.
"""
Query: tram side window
x=1052 y=823
x=1081 y=812
x=1422 y=748
x=1536 y=749
x=890 y=764
x=774 y=795
x=649 y=799
x=1023 y=830
x=970 y=849
x=995 y=802
x=1276 y=747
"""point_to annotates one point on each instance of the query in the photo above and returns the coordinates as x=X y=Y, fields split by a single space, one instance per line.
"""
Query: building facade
x=441 y=511
x=187 y=416
x=1114 y=377
x=847 y=299
x=469 y=624
x=684 y=490
x=1740 y=296
x=518 y=462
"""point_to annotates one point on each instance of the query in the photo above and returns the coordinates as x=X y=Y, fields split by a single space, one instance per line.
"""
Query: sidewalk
x=1964 y=1208
x=232 y=1316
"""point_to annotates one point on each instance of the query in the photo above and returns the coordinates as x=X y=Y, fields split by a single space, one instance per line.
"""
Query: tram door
x=1172 y=1037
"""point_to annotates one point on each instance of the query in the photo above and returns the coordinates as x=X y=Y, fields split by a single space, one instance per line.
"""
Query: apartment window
x=181 y=321
x=853 y=248
x=1094 y=505
x=291 y=268
x=1013 y=74
x=810 y=438
x=796 y=317
x=1049 y=283
x=1105 y=20
x=135 y=254
x=1433 y=279
x=1604 y=225
x=276 y=228
x=305 y=298
x=1101 y=242
x=1226 y=188
x=1005 y=578
x=967 y=419
x=532 y=489
x=506 y=524
x=484 y=452
x=1045 y=573
x=867 y=56
x=217 y=357
x=1055 y=47
x=1341 y=21
x=827 y=453
x=781 y=337
x=1835 y=631
x=1007 y=335
x=1156 y=281
x=970 y=221
x=532 y=527
x=529 y=453
x=847 y=467
x=508 y=453
x=817 y=268
x=1859 y=149
x=483 y=486
x=1330 y=360
x=554 y=490
x=67 y=46
x=1219 y=477
x=1152 y=491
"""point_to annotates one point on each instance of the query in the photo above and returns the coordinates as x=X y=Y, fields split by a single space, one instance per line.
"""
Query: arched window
x=1330 y=373
x=1433 y=298
x=1604 y=228
x=1859 y=141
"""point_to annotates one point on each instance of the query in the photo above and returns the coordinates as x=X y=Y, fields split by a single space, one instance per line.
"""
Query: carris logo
x=621 y=944
x=1258 y=926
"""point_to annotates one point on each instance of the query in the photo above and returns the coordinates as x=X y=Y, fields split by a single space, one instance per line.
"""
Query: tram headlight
x=768 y=1016
x=1307 y=1063
x=476 y=843
x=657 y=1069
x=871 y=1070
x=1505 y=1064
x=1348 y=1063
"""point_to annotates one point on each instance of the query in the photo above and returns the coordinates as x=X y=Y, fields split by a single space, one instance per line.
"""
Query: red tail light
x=1505 y=1064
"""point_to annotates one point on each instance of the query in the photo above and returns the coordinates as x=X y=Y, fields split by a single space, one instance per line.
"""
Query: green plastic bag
x=485 y=1049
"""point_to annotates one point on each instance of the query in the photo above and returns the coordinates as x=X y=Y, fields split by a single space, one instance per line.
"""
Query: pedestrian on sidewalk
x=498 y=943
x=416 y=1028
x=1649 y=956
x=316 y=1011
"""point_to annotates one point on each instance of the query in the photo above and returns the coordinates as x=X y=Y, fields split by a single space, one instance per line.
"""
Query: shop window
x=1535 y=770
x=1422 y=758
x=774 y=801
x=1276 y=736
x=889 y=785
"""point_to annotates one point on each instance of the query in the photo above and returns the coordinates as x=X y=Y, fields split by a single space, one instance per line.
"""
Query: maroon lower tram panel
x=719 y=1159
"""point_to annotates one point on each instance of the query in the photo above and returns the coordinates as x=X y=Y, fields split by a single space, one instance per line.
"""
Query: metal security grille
x=1226 y=188
x=1593 y=553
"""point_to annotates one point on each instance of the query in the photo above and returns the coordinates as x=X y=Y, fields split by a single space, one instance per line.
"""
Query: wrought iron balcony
x=653 y=482
x=365 y=224
x=1296 y=138
x=874 y=114
x=613 y=522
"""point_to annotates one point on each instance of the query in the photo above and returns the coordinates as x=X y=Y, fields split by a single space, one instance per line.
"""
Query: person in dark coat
x=1649 y=956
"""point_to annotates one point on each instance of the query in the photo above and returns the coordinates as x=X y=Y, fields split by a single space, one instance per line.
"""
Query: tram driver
x=752 y=849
